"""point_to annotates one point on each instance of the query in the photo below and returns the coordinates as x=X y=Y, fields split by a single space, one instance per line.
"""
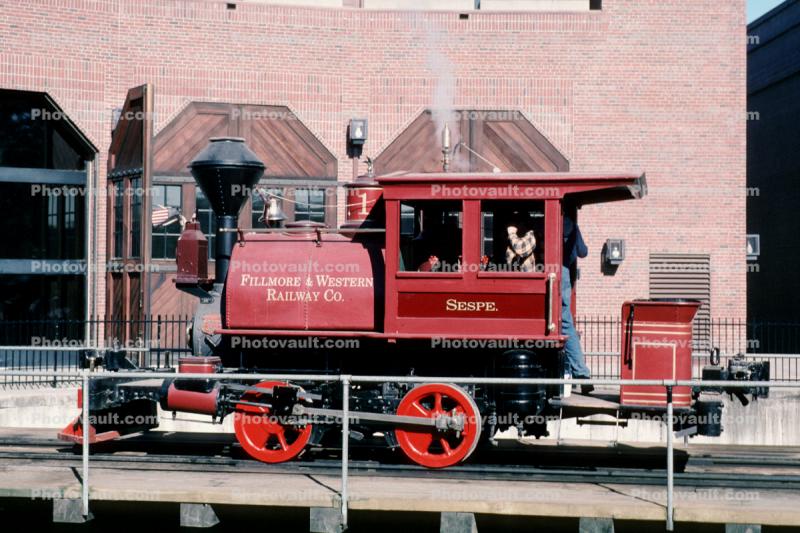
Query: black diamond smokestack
x=226 y=170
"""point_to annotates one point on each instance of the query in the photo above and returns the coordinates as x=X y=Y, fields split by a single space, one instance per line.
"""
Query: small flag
x=163 y=215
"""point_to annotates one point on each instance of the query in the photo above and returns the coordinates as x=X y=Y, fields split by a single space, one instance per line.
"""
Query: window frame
x=311 y=211
x=161 y=233
x=410 y=274
x=489 y=274
x=136 y=205
x=118 y=218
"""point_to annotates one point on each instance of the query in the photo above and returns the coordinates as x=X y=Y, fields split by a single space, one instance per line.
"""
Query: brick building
x=623 y=85
x=773 y=165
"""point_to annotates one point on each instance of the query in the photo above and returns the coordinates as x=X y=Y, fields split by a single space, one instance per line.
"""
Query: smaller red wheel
x=265 y=437
x=439 y=448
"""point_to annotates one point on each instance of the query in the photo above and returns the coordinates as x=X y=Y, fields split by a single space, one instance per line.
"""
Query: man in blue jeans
x=574 y=247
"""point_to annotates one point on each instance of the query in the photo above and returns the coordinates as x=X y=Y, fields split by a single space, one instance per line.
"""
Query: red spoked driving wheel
x=433 y=447
x=265 y=437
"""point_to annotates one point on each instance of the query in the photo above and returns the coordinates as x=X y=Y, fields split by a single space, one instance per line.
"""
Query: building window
x=32 y=137
x=167 y=209
x=52 y=224
x=208 y=222
x=119 y=206
x=136 y=217
x=309 y=205
x=46 y=303
x=43 y=201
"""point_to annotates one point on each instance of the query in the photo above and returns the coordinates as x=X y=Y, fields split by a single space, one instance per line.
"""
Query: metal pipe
x=345 y=444
x=413 y=379
x=95 y=255
x=224 y=246
x=302 y=230
x=85 y=449
x=670 y=463
x=495 y=168
x=60 y=348
x=705 y=355
x=88 y=247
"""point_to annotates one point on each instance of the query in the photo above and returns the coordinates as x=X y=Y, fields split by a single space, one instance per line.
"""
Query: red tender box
x=657 y=344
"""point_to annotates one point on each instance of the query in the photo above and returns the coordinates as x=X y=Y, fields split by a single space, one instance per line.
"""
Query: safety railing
x=347 y=381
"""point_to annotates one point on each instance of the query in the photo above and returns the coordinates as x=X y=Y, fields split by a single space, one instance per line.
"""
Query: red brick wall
x=648 y=85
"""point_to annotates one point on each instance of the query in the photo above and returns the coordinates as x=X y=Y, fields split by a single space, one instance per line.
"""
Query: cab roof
x=582 y=187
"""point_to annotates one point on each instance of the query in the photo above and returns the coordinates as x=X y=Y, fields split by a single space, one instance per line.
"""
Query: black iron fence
x=59 y=344
x=158 y=341
x=776 y=342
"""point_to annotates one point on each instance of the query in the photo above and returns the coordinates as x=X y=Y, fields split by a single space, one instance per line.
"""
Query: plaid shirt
x=519 y=253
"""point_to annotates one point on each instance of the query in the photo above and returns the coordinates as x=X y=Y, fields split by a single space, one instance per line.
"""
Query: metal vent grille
x=685 y=276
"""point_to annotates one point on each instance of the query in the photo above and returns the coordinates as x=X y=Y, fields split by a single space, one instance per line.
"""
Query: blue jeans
x=575 y=363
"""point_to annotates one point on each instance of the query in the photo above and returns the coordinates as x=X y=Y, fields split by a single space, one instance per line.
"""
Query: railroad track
x=736 y=469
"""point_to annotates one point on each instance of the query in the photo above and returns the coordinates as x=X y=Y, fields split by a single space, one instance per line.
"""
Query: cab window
x=512 y=236
x=430 y=236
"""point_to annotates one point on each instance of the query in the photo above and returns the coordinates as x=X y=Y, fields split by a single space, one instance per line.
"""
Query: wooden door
x=129 y=228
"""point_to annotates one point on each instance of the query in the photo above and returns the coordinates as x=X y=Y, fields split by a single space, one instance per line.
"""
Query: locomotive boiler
x=416 y=282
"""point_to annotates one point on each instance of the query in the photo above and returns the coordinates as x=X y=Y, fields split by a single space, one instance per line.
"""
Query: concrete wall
x=637 y=86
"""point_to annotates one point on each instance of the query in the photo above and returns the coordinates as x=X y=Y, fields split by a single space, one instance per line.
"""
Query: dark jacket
x=574 y=247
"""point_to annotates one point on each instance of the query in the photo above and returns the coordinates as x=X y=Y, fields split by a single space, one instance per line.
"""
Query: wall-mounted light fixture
x=357 y=133
x=753 y=247
x=356 y=136
x=614 y=252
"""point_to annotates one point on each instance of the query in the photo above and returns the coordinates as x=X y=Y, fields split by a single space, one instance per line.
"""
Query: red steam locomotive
x=415 y=282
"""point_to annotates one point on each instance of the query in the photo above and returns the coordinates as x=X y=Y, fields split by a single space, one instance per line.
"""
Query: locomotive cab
x=451 y=270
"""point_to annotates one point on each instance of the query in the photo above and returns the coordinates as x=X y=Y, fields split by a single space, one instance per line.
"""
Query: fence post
x=86 y=431
x=56 y=355
x=345 y=444
x=158 y=342
x=670 y=462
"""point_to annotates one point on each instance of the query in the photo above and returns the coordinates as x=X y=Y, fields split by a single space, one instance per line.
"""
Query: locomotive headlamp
x=614 y=252
x=357 y=132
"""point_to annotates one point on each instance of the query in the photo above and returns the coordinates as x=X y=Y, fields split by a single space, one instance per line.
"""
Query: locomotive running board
x=581 y=402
